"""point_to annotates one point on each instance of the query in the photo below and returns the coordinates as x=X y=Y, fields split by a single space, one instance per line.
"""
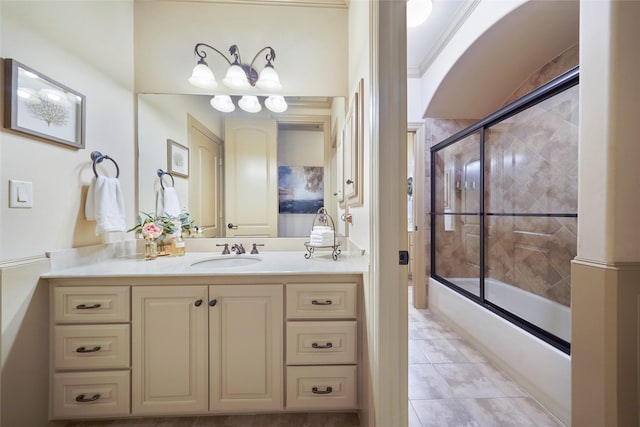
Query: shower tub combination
x=503 y=234
x=549 y=315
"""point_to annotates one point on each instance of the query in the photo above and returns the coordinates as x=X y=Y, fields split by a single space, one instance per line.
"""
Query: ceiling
x=426 y=41
x=502 y=58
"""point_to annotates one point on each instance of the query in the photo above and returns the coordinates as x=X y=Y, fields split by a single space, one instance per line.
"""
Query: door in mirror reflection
x=205 y=183
x=251 y=174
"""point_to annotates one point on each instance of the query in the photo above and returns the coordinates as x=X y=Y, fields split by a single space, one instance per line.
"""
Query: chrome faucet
x=238 y=248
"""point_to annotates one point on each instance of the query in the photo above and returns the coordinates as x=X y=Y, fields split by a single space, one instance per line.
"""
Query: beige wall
x=310 y=44
x=60 y=174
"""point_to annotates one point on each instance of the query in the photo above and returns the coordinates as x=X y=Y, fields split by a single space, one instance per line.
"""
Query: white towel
x=105 y=205
x=167 y=202
x=321 y=237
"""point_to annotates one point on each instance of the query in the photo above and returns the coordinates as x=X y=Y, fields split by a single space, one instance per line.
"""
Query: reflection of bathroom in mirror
x=239 y=183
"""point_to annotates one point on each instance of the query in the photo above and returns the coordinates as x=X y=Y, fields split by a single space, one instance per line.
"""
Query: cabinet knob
x=213 y=302
x=198 y=303
x=349 y=181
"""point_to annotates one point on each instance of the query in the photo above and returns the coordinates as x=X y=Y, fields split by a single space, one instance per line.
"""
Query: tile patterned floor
x=450 y=385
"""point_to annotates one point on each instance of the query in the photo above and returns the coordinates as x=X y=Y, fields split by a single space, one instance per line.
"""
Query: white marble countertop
x=270 y=263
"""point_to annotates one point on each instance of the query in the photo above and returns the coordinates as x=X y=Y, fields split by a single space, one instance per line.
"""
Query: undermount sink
x=226 y=262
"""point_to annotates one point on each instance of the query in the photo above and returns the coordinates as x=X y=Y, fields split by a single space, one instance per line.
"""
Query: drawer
x=99 y=304
x=90 y=394
x=321 y=387
x=319 y=343
x=321 y=301
x=91 y=347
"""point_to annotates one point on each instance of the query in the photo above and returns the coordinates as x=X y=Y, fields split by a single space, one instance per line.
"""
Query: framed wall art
x=38 y=106
x=177 y=159
x=353 y=146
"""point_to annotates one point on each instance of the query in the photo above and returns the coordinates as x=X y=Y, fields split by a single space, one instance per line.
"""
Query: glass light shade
x=236 y=78
x=276 y=103
x=222 y=103
x=202 y=77
x=417 y=12
x=250 y=104
x=268 y=79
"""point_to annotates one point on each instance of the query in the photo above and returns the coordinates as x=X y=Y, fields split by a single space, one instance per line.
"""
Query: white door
x=205 y=181
x=251 y=177
x=169 y=350
x=245 y=347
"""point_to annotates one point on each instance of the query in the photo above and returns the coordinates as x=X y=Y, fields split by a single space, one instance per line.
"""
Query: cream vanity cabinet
x=181 y=333
x=322 y=346
x=90 y=337
x=149 y=346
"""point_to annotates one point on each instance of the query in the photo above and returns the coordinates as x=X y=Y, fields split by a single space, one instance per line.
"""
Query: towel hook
x=98 y=157
x=162 y=173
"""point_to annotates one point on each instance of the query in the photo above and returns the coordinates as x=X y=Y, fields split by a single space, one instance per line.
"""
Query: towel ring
x=161 y=174
x=98 y=157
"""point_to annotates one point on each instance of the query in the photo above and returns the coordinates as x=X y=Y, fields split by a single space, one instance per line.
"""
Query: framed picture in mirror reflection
x=177 y=159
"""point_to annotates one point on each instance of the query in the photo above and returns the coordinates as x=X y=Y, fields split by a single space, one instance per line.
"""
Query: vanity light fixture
x=241 y=77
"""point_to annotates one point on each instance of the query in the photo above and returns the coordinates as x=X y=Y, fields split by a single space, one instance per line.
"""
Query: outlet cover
x=20 y=194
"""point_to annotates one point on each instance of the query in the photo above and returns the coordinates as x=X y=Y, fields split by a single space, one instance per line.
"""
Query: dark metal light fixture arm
x=198 y=49
x=269 y=56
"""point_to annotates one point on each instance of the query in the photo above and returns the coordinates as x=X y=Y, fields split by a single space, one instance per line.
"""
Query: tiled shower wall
x=532 y=161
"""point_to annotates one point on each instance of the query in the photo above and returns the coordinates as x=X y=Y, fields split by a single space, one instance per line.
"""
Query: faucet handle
x=225 y=251
x=255 y=249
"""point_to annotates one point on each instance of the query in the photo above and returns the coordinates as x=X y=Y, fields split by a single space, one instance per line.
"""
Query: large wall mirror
x=239 y=174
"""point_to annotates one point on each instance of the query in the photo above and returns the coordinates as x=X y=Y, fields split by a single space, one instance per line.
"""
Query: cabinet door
x=245 y=347
x=169 y=349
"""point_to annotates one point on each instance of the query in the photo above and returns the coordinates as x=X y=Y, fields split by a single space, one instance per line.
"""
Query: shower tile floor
x=450 y=385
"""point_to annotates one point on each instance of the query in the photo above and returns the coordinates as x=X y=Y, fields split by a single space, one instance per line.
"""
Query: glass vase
x=150 y=249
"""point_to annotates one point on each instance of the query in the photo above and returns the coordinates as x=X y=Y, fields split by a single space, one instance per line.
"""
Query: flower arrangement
x=159 y=228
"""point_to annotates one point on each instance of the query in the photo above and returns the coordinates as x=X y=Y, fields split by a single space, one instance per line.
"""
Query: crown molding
x=339 y=4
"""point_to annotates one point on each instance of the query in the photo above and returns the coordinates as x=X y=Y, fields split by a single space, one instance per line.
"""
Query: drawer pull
x=316 y=302
x=316 y=345
x=80 y=398
x=84 y=349
x=87 y=307
x=326 y=391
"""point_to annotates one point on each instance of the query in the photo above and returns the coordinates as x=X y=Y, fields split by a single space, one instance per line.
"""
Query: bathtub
x=549 y=315
x=538 y=367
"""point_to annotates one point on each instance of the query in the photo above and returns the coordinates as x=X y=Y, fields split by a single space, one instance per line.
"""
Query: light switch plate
x=20 y=194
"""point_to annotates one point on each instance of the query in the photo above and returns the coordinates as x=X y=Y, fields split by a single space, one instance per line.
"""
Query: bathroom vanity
x=180 y=336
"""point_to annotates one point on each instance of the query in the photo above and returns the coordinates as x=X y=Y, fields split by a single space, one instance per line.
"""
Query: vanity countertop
x=271 y=263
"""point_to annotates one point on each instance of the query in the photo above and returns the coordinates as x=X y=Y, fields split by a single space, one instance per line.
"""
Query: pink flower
x=151 y=230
